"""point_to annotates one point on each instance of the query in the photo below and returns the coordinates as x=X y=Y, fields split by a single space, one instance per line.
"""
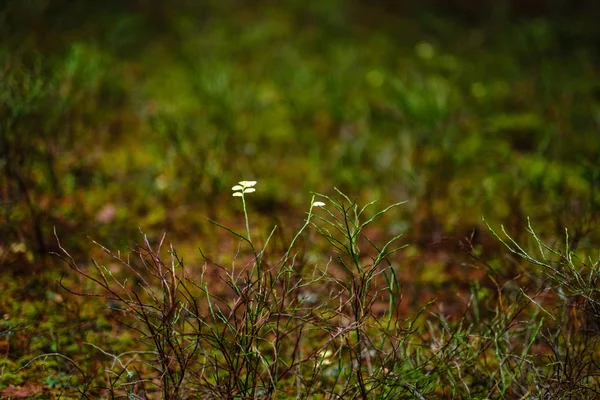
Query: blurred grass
x=154 y=112
x=119 y=115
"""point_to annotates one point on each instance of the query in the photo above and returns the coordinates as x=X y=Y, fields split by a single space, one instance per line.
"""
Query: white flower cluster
x=243 y=187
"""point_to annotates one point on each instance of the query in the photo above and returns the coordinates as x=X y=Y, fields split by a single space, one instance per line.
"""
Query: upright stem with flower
x=238 y=191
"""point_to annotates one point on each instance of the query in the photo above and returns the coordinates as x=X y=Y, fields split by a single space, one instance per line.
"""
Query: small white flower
x=243 y=187
x=247 y=184
x=318 y=204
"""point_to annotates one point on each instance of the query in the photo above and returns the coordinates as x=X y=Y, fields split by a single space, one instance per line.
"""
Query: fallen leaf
x=21 y=392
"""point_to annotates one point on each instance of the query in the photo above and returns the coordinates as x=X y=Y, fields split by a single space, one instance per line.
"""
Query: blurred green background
x=124 y=114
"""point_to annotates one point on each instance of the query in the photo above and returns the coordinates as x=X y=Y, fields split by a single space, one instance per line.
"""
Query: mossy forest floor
x=122 y=121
